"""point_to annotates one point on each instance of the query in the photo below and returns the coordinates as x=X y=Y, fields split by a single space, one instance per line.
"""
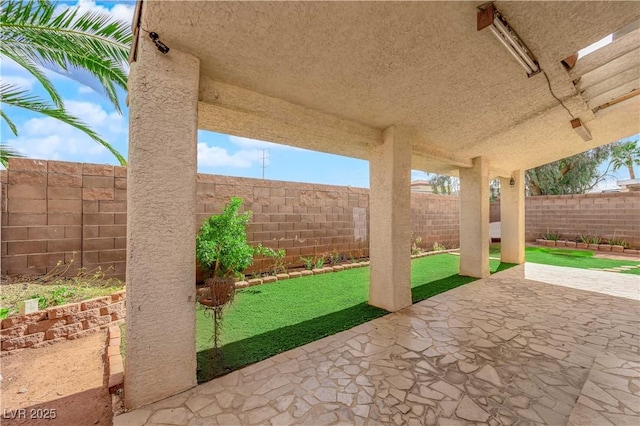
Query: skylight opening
x=595 y=46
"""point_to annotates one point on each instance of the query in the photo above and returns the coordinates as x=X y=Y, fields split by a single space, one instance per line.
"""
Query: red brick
x=98 y=182
x=26 y=164
x=64 y=193
x=64 y=206
x=73 y=231
x=45 y=259
x=116 y=297
x=43 y=326
x=27 y=192
x=120 y=183
x=27 y=206
x=17 y=330
x=65 y=167
x=27 y=178
x=97 y=194
x=45 y=232
x=22 y=342
x=13 y=233
x=26 y=247
x=113 y=256
x=63 y=310
x=66 y=330
x=67 y=181
x=98 y=219
x=113 y=206
x=67 y=244
x=120 y=218
x=96 y=322
x=97 y=170
x=120 y=171
x=98 y=302
x=64 y=218
x=85 y=315
x=120 y=243
x=83 y=333
x=90 y=244
x=118 y=315
x=113 y=231
x=120 y=194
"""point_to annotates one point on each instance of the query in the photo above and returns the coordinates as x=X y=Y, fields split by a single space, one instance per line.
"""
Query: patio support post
x=474 y=219
x=512 y=218
x=390 y=221
x=161 y=225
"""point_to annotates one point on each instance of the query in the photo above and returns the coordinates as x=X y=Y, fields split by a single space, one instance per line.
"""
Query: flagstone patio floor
x=502 y=350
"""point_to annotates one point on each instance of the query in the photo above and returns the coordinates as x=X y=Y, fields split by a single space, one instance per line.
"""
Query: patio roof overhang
x=329 y=76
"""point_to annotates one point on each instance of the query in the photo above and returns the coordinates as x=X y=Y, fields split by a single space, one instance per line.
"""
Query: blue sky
x=46 y=138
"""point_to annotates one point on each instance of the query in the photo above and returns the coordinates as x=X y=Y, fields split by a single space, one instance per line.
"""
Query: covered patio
x=416 y=85
x=502 y=350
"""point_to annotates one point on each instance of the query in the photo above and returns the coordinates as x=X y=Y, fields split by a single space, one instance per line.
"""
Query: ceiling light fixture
x=490 y=17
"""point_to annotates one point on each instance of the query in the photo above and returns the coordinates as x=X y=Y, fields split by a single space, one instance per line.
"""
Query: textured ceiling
x=417 y=64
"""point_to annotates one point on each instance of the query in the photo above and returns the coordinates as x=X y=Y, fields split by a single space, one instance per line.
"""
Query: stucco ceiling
x=366 y=66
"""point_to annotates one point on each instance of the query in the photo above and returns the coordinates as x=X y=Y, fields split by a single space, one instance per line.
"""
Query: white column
x=512 y=218
x=390 y=221
x=474 y=219
x=161 y=225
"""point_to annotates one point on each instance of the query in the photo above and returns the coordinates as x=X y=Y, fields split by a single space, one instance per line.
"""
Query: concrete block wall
x=603 y=215
x=59 y=323
x=436 y=218
x=55 y=211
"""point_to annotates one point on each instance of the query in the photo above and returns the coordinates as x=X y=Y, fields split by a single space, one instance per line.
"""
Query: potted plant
x=223 y=253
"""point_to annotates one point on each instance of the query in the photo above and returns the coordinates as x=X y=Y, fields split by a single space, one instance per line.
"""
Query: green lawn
x=583 y=259
x=271 y=318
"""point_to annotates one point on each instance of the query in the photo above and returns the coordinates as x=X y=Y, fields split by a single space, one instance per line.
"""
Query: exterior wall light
x=490 y=17
x=512 y=182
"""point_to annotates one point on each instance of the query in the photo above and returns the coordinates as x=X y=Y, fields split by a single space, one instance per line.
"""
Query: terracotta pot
x=582 y=245
x=571 y=244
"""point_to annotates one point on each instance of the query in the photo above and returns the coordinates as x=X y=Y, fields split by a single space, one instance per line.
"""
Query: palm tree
x=34 y=36
x=626 y=154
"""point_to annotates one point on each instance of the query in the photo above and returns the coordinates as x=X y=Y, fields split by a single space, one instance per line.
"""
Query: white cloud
x=24 y=82
x=215 y=156
x=89 y=112
x=256 y=144
x=84 y=90
x=122 y=11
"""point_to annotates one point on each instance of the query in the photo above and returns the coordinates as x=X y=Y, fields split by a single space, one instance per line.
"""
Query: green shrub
x=221 y=244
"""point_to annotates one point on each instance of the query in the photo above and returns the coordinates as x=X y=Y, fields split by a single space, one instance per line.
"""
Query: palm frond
x=11 y=95
x=91 y=40
x=6 y=153
x=9 y=122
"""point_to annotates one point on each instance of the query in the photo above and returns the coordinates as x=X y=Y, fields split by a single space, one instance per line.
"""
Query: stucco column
x=390 y=221
x=474 y=219
x=512 y=218
x=161 y=225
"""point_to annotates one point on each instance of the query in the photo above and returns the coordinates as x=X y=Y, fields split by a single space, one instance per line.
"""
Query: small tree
x=626 y=154
x=223 y=252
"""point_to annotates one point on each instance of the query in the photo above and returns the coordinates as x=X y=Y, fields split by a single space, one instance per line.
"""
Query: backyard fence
x=53 y=212
x=56 y=211
x=605 y=215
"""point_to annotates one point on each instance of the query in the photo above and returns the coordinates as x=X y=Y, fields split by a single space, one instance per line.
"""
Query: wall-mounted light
x=160 y=45
x=512 y=182
x=490 y=17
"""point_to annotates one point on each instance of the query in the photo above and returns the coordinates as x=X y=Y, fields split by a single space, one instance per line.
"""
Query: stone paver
x=500 y=351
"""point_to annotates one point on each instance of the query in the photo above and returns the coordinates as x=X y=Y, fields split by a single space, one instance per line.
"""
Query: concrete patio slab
x=501 y=350
x=620 y=285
